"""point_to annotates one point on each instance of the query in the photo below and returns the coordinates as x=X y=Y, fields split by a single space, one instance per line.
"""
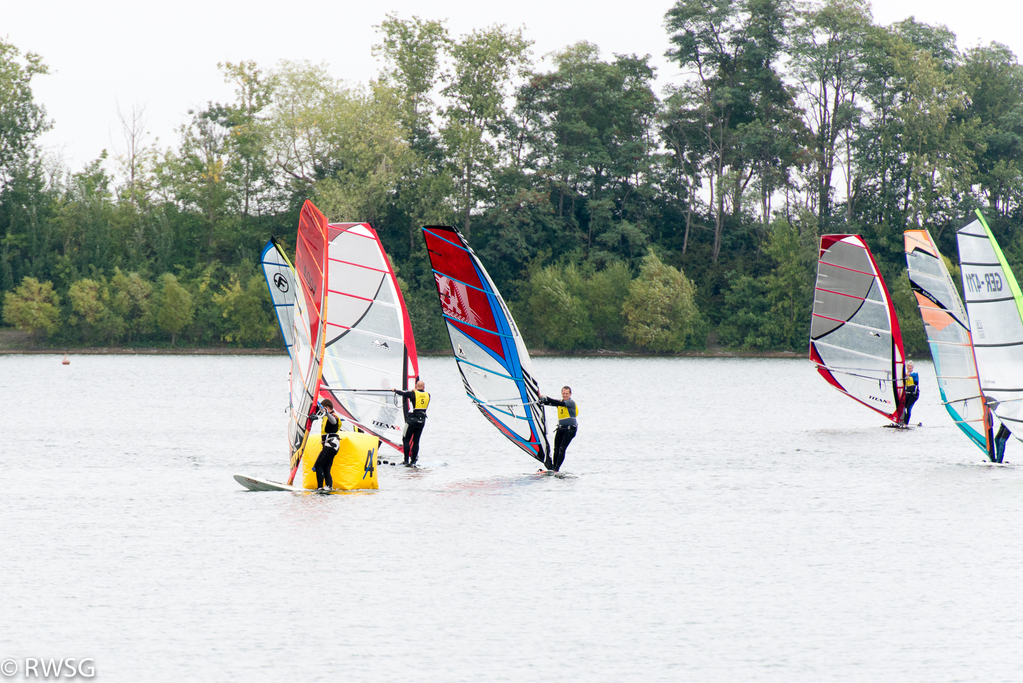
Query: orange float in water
x=66 y=361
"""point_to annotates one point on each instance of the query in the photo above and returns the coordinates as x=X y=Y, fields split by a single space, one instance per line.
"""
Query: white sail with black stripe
x=995 y=307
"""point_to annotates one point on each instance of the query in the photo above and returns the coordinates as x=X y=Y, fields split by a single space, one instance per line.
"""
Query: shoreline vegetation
x=611 y=216
x=17 y=343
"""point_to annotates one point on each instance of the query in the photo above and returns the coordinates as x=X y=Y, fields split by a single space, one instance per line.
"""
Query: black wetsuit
x=1000 y=439
x=565 y=432
x=415 y=420
x=331 y=442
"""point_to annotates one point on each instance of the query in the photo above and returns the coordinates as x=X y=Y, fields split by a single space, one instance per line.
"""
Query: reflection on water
x=718 y=520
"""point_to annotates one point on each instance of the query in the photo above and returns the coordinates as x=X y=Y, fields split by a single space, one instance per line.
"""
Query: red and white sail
x=855 y=339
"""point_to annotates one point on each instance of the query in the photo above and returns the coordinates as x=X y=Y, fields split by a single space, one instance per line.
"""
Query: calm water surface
x=725 y=520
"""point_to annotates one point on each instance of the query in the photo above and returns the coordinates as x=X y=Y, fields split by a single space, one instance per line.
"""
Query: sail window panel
x=976 y=251
x=469 y=349
x=830 y=311
x=925 y=264
x=874 y=294
x=387 y=293
x=847 y=255
x=861 y=340
x=843 y=281
x=848 y=362
x=863 y=378
x=354 y=280
x=366 y=361
x=951 y=333
x=872 y=314
x=964 y=394
x=955 y=364
x=996 y=323
x=372 y=317
x=355 y=248
x=1000 y=367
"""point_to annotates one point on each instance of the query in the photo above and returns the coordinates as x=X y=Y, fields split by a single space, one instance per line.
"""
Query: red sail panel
x=310 y=261
x=463 y=295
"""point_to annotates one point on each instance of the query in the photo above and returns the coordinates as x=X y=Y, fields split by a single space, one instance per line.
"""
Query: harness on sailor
x=420 y=403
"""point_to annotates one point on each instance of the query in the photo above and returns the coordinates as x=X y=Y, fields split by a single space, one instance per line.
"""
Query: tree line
x=609 y=215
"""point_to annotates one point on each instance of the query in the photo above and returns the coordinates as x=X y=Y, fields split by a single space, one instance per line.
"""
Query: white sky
x=105 y=54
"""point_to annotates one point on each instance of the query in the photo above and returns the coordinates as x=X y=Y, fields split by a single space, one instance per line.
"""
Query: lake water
x=725 y=520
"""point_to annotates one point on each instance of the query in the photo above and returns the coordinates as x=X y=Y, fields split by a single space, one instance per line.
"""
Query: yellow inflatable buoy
x=355 y=465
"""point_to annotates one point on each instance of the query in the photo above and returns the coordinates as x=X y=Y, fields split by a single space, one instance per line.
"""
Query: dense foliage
x=610 y=217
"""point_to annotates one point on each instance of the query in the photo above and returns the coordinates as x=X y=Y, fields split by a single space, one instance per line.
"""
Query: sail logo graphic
x=379 y=344
x=454 y=300
x=281 y=282
x=992 y=282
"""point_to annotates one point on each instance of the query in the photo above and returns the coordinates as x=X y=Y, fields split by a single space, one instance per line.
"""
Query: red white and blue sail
x=855 y=339
x=369 y=348
x=307 y=352
x=491 y=356
x=280 y=280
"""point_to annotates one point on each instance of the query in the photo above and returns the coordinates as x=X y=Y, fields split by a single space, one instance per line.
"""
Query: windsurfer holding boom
x=415 y=420
x=911 y=381
x=567 y=426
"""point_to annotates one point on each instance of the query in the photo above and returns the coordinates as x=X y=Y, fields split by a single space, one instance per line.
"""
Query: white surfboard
x=253 y=484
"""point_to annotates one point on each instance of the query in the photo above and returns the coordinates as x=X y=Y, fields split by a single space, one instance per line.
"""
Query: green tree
x=91 y=312
x=605 y=294
x=175 y=312
x=484 y=63
x=21 y=119
x=411 y=50
x=731 y=47
x=33 y=307
x=828 y=50
x=557 y=317
x=131 y=299
x=661 y=312
x=247 y=310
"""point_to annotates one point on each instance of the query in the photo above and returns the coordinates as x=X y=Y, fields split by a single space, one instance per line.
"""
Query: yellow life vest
x=324 y=423
x=421 y=401
x=563 y=413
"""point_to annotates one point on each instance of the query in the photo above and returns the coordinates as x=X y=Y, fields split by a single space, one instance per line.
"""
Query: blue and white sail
x=280 y=280
x=491 y=356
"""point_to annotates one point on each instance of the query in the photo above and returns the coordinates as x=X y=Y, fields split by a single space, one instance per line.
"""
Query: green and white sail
x=995 y=307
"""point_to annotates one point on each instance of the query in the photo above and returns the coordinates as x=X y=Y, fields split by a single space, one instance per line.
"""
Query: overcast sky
x=110 y=54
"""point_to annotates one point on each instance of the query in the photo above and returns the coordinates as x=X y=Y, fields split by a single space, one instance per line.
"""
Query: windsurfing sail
x=855 y=339
x=995 y=305
x=369 y=347
x=307 y=352
x=491 y=356
x=948 y=334
x=280 y=280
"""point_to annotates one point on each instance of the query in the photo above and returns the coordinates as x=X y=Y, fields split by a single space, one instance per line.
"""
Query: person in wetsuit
x=567 y=426
x=996 y=443
x=911 y=381
x=415 y=420
x=330 y=425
